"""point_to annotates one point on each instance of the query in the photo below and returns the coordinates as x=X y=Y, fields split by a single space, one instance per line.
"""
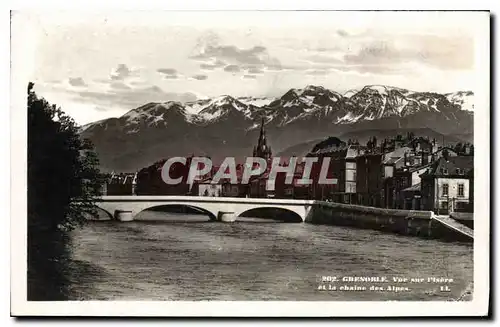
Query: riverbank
x=404 y=222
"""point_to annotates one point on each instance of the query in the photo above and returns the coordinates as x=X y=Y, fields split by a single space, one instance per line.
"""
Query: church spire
x=262 y=150
x=262 y=136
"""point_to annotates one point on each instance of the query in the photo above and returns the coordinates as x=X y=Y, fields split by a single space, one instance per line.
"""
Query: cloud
x=327 y=49
x=167 y=71
x=386 y=69
x=102 y=80
x=379 y=52
x=200 y=77
x=121 y=72
x=323 y=59
x=446 y=53
x=342 y=33
x=212 y=65
x=130 y=98
x=255 y=70
x=77 y=81
x=452 y=53
x=254 y=55
x=170 y=76
x=119 y=86
x=317 y=72
x=232 y=68
x=214 y=55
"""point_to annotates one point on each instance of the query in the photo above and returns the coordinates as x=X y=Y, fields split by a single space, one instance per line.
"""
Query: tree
x=63 y=183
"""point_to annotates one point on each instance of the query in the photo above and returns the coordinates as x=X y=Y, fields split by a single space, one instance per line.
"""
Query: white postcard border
x=22 y=66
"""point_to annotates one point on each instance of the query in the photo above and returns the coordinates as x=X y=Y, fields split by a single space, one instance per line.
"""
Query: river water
x=167 y=256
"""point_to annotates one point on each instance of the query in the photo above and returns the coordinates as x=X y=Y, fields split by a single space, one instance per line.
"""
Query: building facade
x=446 y=185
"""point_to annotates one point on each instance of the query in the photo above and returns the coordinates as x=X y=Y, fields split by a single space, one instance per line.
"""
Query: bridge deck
x=183 y=198
x=455 y=225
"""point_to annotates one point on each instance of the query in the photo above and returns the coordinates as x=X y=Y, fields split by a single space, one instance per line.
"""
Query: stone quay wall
x=404 y=222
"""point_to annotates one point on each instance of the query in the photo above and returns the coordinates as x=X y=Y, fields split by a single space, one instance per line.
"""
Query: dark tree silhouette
x=63 y=182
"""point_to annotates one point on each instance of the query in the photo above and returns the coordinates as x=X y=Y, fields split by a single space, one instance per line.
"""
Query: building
x=258 y=187
x=369 y=175
x=392 y=162
x=150 y=182
x=235 y=190
x=262 y=149
x=407 y=187
x=446 y=185
x=443 y=152
x=120 y=184
x=207 y=188
x=342 y=167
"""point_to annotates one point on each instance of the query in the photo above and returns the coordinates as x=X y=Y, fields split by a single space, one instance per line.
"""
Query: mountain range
x=229 y=126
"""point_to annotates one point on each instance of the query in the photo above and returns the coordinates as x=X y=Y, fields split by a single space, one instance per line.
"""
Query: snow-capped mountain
x=194 y=107
x=226 y=125
x=350 y=93
x=225 y=107
x=465 y=99
x=256 y=101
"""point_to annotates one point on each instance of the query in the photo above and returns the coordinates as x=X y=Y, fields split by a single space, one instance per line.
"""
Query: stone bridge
x=126 y=207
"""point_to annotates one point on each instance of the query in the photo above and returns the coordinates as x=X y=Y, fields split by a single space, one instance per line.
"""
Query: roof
x=391 y=161
x=464 y=163
x=445 y=148
x=354 y=150
x=414 y=169
x=351 y=151
x=419 y=139
x=412 y=188
x=397 y=153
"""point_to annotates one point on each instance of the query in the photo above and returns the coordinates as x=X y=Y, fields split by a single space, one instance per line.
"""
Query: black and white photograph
x=209 y=159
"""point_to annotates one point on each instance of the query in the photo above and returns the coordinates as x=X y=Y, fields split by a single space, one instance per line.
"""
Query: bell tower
x=262 y=150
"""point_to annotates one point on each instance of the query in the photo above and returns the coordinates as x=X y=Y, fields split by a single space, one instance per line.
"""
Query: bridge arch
x=105 y=210
x=192 y=208
x=137 y=207
x=272 y=212
x=132 y=205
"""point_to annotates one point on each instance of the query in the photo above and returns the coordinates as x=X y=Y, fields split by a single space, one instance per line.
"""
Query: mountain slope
x=227 y=126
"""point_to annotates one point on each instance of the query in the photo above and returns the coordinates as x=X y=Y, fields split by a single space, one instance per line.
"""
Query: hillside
x=228 y=126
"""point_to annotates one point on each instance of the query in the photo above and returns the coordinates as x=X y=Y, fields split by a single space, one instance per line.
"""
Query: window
x=444 y=205
x=350 y=175
x=350 y=187
x=444 y=171
x=350 y=165
x=445 y=189
x=346 y=198
x=460 y=189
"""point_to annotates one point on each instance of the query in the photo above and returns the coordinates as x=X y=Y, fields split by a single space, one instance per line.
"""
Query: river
x=166 y=256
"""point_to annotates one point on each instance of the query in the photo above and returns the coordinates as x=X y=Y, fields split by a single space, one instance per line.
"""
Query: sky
x=97 y=66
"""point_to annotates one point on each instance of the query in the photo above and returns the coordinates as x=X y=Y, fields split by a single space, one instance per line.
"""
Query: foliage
x=63 y=183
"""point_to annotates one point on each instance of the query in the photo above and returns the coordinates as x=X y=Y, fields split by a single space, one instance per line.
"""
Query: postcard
x=250 y=163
